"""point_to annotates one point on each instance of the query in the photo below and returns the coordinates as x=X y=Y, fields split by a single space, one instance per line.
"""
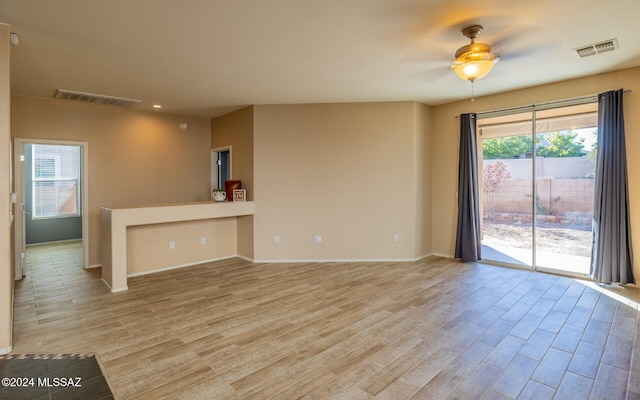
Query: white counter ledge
x=115 y=222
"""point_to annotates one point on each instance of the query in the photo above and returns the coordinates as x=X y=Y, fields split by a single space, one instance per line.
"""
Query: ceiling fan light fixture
x=475 y=60
x=473 y=70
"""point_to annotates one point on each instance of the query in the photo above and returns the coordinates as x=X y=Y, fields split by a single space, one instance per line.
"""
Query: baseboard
x=179 y=266
x=6 y=350
x=329 y=260
x=112 y=290
x=434 y=255
x=336 y=260
x=251 y=260
x=107 y=284
x=92 y=266
x=442 y=255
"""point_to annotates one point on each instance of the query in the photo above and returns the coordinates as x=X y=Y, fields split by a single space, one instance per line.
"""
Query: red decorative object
x=229 y=187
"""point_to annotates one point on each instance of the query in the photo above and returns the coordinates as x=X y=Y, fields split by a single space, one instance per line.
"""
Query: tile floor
x=431 y=329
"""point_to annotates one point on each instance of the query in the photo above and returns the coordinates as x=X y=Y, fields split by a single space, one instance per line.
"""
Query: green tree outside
x=552 y=144
x=507 y=147
x=561 y=144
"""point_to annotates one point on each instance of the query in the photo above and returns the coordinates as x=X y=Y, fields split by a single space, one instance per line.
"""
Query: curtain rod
x=545 y=119
x=542 y=106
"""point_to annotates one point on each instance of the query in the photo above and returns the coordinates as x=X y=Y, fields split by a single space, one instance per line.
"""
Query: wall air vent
x=597 y=48
x=95 y=98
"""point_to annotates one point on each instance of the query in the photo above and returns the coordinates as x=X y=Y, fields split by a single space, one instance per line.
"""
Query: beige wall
x=6 y=261
x=445 y=139
x=422 y=179
x=135 y=157
x=148 y=250
x=236 y=130
x=343 y=171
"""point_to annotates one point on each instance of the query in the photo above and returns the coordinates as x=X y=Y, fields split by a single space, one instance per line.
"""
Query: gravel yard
x=550 y=237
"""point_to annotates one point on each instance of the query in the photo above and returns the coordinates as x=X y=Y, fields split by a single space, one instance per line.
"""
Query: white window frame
x=56 y=179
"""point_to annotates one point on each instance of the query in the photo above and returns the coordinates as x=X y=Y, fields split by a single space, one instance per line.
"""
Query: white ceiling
x=208 y=57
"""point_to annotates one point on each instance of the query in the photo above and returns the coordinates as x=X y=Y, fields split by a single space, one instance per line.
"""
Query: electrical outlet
x=276 y=239
x=317 y=239
x=396 y=237
x=172 y=245
x=203 y=240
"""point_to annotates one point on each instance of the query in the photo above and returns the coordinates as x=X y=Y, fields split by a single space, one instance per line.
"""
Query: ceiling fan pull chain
x=472 y=99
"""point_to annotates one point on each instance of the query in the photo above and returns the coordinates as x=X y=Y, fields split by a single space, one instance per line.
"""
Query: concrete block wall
x=557 y=196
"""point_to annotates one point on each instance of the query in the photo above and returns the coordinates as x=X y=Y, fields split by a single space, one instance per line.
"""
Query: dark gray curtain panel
x=611 y=255
x=468 y=234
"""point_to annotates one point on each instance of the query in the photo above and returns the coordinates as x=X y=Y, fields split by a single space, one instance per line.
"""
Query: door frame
x=20 y=223
x=214 y=166
x=480 y=162
x=590 y=106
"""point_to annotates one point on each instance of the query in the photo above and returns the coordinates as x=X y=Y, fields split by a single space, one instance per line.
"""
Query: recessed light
x=157 y=106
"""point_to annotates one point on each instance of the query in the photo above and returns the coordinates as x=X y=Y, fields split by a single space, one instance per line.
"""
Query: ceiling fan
x=474 y=60
x=515 y=46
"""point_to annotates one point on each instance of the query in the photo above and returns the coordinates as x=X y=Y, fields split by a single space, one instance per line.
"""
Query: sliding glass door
x=537 y=172
x=507 y=180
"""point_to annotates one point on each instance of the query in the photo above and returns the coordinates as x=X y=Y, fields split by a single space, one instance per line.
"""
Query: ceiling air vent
x=95 y=98
x=597 y=48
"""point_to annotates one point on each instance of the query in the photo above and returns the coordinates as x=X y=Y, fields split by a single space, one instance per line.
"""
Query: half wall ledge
x=115 y=221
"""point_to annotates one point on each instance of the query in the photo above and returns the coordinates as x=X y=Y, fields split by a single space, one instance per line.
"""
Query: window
x=56 y=177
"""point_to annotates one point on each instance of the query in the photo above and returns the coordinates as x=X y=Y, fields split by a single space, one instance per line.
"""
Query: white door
x=20 y=237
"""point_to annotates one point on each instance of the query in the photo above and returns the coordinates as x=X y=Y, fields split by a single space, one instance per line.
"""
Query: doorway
x=220 y=167
x=51 y=196
x=538 y=171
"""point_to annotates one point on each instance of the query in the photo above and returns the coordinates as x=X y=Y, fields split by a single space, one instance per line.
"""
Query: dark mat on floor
x=52 y=377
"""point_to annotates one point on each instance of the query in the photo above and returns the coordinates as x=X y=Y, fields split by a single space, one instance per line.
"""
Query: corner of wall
x=6 y=260
x=422 y=127
x=236 y=129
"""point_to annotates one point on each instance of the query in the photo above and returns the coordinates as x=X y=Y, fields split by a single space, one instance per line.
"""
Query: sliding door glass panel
x=506 y=191
x=566 y=142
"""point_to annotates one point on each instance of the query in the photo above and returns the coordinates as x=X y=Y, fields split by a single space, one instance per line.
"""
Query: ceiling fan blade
x=534 y=52
x=430 y=75
x=524 y=42
x=442 y=40
x=428 y=52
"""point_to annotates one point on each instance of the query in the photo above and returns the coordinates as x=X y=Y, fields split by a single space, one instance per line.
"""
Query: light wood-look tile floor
x=431 y=329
